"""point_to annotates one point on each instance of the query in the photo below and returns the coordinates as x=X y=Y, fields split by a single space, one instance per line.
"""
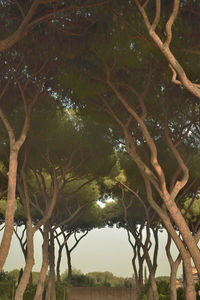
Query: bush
x=7 y=286
x=180 y=294
x=163 y=290
x=29 y=292
x=61 y=291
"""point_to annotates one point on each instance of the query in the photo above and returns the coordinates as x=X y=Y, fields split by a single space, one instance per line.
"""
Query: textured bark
x=190 y=292
x=29 y=263
x=44 y=267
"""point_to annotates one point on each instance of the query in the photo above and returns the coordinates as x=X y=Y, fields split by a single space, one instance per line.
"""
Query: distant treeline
x=9 y=282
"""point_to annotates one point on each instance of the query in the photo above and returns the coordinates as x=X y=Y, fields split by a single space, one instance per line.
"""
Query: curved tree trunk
x=10 y=207
x=185 y=254
x=15 y=146
x=152 y=278
x=44 y=267
x=29 y=263
x=137 y=273
x=51 y=290
x=173 y=269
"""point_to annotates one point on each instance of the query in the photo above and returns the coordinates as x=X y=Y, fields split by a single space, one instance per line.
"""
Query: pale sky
x=101 y=250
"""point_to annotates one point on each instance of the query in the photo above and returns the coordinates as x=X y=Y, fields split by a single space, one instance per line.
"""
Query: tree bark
x=152 y=277
x=51 y=290
x=181 y=247
x=15 y=146
x=10 y=207
x=173 y=269
x=150 y=292
x=190 y=292
x=157 y=179
x=29 y=263
x=44 y=267
x=176 y=217
x=138 y=274
x=164 y=46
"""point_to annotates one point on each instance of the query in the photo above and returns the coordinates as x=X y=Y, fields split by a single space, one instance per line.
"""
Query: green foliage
x=19 y=214
x=98 y=279
x=180 y=294
x=61 y=291
x=7 y=286
x=163 y=289
x=192 y=209
x=14 y=275
x=197 y=288
x=29 y=292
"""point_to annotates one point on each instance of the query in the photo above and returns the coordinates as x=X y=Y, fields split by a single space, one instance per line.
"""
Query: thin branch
x=171 y=21
x=157 y=16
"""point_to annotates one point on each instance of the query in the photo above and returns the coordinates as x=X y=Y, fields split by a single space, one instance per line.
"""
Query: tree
x=24 y=17
x=44 y=17
x=89 y=218
x=55 y=172
x=164 y=46
x=27 y=88
x=124 y=98
x=136 y=217
x=66 y=217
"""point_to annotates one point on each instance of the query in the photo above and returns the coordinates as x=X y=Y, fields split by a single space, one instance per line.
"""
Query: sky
x=101 y=250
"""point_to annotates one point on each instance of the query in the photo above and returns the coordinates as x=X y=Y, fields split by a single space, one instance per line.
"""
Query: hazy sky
x=101 y=250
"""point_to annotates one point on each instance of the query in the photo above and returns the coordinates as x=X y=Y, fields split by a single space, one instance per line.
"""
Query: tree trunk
x=10 y=207
x=173 y=269
x=190 y=292
x=58 y=262
x=44 y=267
x=140 y=265
x=29 y=263
x=168 y=199
x=152 y=277
x=30 y=282
x=69 y=263
x=167 y=222
x=51 y=290
x=15 y=146
x=150 y=292
x=173 y=293
x=185 y=232
x=137 y=283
